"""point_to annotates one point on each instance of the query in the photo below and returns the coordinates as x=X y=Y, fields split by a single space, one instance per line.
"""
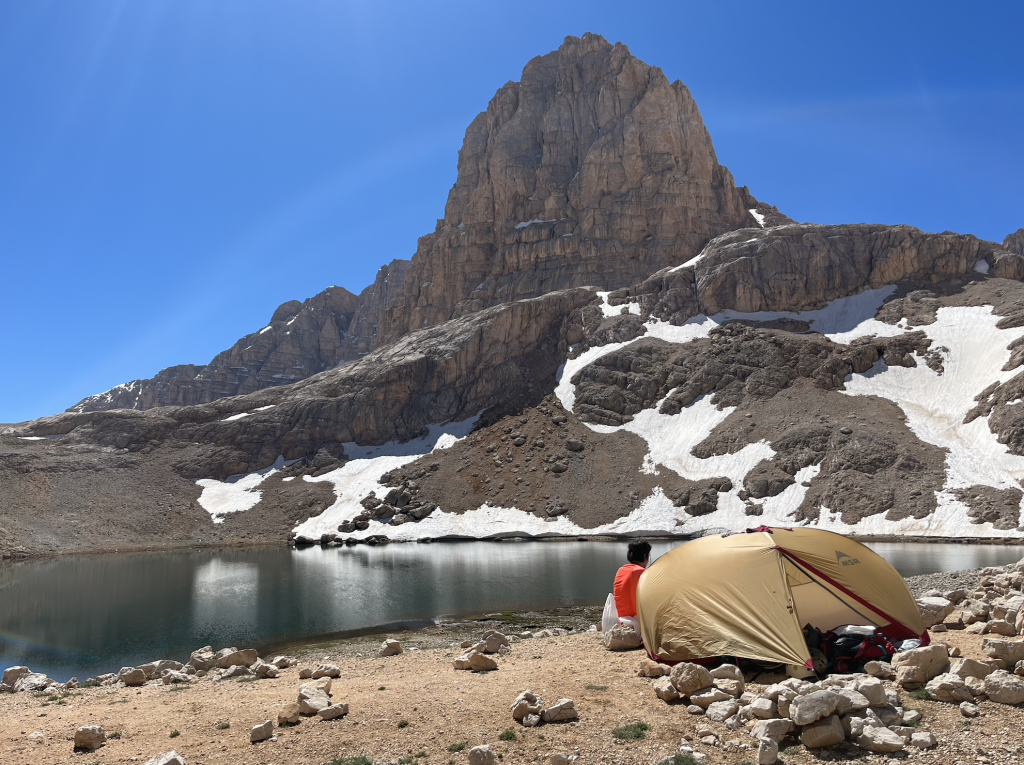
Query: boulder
x=283 y=662
x=923 y=740
x=1010 y=651
x=493 y=641
x=919 y=665
x=776 y=729
x=731 y=686
x=531 y=721
x=880 y=669
x=389 y=647
x=826 y=732
x=763 y=709
x=1000 y=627
x=203 y=658
x=693 y=709
x=880 y=740
x=264 y=670
x=767 y=751
x=872 y=689
x=170 y=677
x=720 y=711
x=563 y=710
x=688 y=678
x=850 y=700
x=650 y=668
x=333 y=712
x=912 y=717
x=313 y=697
x=474 y=661
x=482 y=755
x=14 y=674
x=326 y=670
x=132 y=677
x=90 y=737
x=665 y=690
x=239 y=670
x=966 y=668
x=526 y=703
x=244 y=658
x=289 y=714
x=261 y=732
x=708 y=696
x=1004 y=688
x=934 y=610
x=948 y=687
x=167 y=758
x=621 y=638
x=306 y=673
x=154 y=669
x=730 y=671
x=37 y=681
x=816 y=705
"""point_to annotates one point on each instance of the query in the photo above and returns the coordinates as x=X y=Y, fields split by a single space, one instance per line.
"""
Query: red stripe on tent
x=905 y=632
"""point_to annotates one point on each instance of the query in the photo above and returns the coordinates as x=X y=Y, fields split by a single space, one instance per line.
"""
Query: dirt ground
x=443 y=709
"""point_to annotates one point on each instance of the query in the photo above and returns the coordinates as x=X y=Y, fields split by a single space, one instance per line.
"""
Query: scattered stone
x=557 y=758
x=482 y=755
x=967 y=709
x=132 y=677
x=261 y=732
x=526 y=703
x=664 y=689
x=880 y=740
x=238 y=670
x=621 y=638
x=912 y=717
x=90 y=737
x=709 y=696
x=474 y=661
x=333 y=712
x=880 y=669
x=805 y=710
x=1010 y=651
x=916 y=667
x=1004 y=688
x=14 y=674
x=688 y=678
x=730 y=685
x=767 y=751
x=35 y=681
x=203 y=658
x=263 y=670
x=170 y=677
x=328 y=670
x=493 y=641
x=934 y=609
x=244 y=658
x=313 y=697
x=649 y=668
x=305 y=673
x=167 y=758
x=966 y=668
x=289 y=714
x=284 y=662
x=390 y=647
x=563 y=710
x=693 y=709
x=948 y=687
x=776 y=729
x=826 y=732
x=923 y=740
x=720 y=711
x=763 y=709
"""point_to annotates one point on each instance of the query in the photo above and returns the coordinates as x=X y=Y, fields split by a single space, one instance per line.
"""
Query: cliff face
x=594 y=169
x=1015 y=242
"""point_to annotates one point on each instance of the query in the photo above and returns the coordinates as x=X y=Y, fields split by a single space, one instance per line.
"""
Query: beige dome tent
x=748 y=595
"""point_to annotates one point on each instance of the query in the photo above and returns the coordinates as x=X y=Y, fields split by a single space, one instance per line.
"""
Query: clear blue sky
x=172 y=170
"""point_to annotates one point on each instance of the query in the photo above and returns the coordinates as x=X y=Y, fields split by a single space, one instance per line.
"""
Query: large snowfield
x=973 y=350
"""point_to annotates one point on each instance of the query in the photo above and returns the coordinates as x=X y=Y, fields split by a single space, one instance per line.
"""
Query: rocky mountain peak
x=1015 y=242
x=593 y=169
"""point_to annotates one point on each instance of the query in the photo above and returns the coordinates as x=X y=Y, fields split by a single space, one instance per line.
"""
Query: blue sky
x=172 y=170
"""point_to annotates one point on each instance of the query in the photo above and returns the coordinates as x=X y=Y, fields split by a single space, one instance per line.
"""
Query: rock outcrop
x=594 y=169
x=1015 y=242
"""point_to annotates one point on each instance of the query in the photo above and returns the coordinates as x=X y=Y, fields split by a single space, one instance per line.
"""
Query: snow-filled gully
x=934 y=404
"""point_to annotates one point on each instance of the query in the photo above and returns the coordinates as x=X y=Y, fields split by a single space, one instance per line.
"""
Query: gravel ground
x=944 y=581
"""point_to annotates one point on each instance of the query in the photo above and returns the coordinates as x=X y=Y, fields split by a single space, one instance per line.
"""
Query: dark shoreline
x=24 y=555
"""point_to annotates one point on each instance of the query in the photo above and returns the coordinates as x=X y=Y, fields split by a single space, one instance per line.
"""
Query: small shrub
x=688 y=759
x=115 y=735
x=632 y=732
x=456 y=747
x=596 y=687
x=382 y=688
x=175 y=733
x=248 y=679
x=223 y=726
x=507 y=735
x=91 y=683
x=421 y=753
x=921 y=694
x=403 y=723
x=360 y=760
x=8 y=690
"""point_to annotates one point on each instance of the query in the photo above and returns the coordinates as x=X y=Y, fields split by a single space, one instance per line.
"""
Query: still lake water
x=88 y=615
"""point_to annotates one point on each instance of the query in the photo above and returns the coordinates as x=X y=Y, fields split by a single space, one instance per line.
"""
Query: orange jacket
x=624 y=590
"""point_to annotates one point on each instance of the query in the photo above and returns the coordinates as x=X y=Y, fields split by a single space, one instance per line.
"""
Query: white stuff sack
x=610 y=617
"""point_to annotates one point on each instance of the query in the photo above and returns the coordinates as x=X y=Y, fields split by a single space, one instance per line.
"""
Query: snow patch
x=236 y=494
x=265 y=329
x=981 y=266
x=361 y=475
x=526 y=223
x=234 y=417
x=758 y=217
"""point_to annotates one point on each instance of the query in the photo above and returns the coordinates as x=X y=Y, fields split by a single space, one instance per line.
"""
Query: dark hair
x=638 y=552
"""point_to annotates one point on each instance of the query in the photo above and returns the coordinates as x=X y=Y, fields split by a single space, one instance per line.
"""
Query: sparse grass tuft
x=382 y=688
x=632 y=732
x=507 y=735
x=175 y=733
x=360 y=760
x=420 y=754
x=115 y=735
x=596 y=687
x=403 y=723
x=921 y=695
x=223 y=726
x=456 y=747
x=91 y=683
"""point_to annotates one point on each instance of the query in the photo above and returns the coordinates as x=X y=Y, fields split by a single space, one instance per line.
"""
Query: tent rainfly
x=748 y=595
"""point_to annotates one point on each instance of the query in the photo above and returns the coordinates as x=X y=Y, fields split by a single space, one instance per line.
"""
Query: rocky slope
x=736 y=370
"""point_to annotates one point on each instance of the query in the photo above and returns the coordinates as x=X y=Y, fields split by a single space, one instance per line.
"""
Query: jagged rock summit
x=594 y=169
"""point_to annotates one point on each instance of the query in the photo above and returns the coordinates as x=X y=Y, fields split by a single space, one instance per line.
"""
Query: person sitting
x=638 y=555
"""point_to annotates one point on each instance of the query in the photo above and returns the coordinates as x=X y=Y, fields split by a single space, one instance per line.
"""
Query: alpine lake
x=87 y=615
